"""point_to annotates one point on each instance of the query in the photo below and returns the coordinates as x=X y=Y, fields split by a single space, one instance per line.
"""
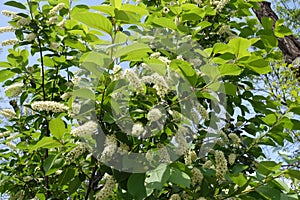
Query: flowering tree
x=143 y=100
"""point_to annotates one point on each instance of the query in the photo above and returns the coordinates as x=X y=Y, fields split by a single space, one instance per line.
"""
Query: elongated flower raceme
x=10 y=42
x=221 y=165
x=110 y=147
x=14 y=89
x=5 y=134
x=8 y=113
x=23 y=21
x=56 y=8
x=108 y=188
x=160 y=84
x=30 y=37
x=7 y=29
x=8 y=13
x=85 y=129
x=52 y=106
x=134 y=80
x=197 y=177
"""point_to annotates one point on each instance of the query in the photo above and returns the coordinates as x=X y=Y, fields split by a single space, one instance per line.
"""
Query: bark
x=289 y=45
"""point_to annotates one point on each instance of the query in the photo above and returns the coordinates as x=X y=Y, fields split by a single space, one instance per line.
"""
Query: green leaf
x=105 y=9
x=267 y=23
x=94 y=20
x=267 y=167
x=258 y=64
x=116 y=3
x=5 y=65
x=135 y=185
x=84 y=92
x=75 y=44
x=132 y=48
x=185 y=69
x=66 y=176
x=126 y=17
x=157 y=66
x=47 y=143
x=239 y=179
x=179 y=178
x=15 y=4
x=230 y=89
x=52 y=164
x=57 y=127
x=268 y=192
x=230 y=69
x=220 y=48
x=155 y=179
x=134 y=8
x=280 y=30
x=74 y=185
x=6 y=74
x=165 y=23
x=270 y=119
x=240 y=47
x=48 y=61
x=294 y=173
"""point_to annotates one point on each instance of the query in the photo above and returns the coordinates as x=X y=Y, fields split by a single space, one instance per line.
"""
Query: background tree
x=163 y=79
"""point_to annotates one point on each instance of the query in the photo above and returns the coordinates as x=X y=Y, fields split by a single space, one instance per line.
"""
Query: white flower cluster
x=30 y=37
x=54 y=45
x=164 y=60
x=75 y=110
x=8 y=113
x=8 y=13
x=181 y=141
x=154 y=115
x=208 y=164
x=202 y=111
x=201 y=198
x=231 y=158
x=223 y=139
x=155 y=55
x=14 y=89
x=53 y=106
x=7 y=29
x=165 y=10
x=10 y=42
x=197 y=177
x=66 y=96
x=85 y=129
x=5 y=134
x=110 y=147
x=108 y=188
x=56 y=8
x=198 y=2
x=190 y=157
x=23 y=21
x=221 y=165
x=220 y=4
x=117 y=72
x=62 y=23
x=137 y=129
x=76 y=152
x=53 y=20
x=134 y=80
x=175 y=197
x=10 y=145
x=163 y=154
x=160 y=84
x=12 y=137
x=185 y=196
x=235 y=139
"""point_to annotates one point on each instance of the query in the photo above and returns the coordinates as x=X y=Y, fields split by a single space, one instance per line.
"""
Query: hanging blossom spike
x=10 y=42
x=7 y=29
x=85 y=129
x=8 y=13
x=56 y=8
x=8 y=113
x=49 y=106
x=14 y=89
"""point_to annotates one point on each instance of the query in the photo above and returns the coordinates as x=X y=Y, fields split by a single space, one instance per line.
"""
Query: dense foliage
x=146 y=100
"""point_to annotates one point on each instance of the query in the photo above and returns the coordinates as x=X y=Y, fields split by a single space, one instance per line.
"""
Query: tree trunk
x=289 y=45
